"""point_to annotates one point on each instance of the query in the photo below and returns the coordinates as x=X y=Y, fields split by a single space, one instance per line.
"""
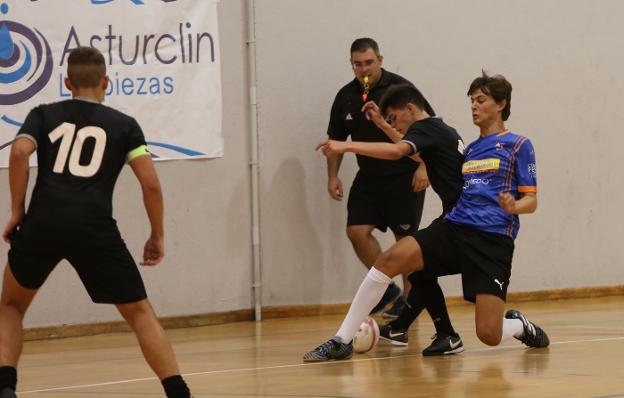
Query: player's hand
x=507 y=202
x=154 y=251
x=420 y=181
x=334 y=187
x=373 y=113
x=331 y=147
x=11 y=225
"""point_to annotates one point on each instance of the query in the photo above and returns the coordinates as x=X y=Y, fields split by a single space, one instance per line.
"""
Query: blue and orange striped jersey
x=503 y=162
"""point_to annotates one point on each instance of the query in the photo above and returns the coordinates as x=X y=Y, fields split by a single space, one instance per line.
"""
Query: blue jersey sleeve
x=526 y=172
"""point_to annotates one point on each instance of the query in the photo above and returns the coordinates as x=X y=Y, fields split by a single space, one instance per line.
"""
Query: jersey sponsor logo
x=476 y=181
x=480 y=166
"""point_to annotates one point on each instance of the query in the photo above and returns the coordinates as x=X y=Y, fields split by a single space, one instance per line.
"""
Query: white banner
x=162 y=59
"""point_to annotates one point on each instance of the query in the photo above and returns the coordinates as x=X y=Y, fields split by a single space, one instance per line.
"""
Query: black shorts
x=482 y=258
x=95 y=250
x=385 y=202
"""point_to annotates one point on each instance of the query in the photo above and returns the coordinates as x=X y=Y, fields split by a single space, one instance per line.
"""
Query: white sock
x=368 y=295
x=512 y=328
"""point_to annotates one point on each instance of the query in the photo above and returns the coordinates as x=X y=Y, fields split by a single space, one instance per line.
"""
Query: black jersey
x=347 y=119
x=442 y=150
x=81 y=148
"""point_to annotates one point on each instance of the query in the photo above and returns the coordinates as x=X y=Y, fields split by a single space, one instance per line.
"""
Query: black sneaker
x=397 y=308
x=7 y=393
x=533 y=335
x=392 y=293
x=394 y=336
x=444 y=345
x=330 y=350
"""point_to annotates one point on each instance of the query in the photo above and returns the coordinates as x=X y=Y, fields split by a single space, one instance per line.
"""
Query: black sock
x=414 y=306
x=175 y=387
x=8 y=377
x=436 y=306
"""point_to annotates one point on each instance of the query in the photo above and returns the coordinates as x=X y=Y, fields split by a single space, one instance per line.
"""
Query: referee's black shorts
x=483 y=258
x=385 y=202
x=94 y=248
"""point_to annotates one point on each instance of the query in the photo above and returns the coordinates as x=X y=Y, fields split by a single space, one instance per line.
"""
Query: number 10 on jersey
x=66 y=132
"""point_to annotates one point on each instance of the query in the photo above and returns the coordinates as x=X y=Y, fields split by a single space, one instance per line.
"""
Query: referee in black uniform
x=81 y=147
x=381 y=188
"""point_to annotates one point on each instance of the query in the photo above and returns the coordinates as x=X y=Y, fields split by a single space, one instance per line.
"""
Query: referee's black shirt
x=347 y=120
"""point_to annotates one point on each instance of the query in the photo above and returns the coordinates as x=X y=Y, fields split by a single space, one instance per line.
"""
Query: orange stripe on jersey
x=531 y=188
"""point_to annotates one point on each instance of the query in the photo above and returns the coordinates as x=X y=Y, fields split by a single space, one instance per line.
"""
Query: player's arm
x=527 y=203
x=334 y=185
x=337 y=130
x=420 y=181
x=379 y=150
x=21 y=149
x=143 y=167
x=373 y=113
x=527 y=183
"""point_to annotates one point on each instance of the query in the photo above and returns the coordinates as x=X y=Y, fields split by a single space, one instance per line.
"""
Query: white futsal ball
x=367 y=336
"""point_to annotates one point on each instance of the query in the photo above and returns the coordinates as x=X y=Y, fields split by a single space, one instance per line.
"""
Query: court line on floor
x=299 y=365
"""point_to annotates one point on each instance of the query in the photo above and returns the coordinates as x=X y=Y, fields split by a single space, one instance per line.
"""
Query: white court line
x=299 y=365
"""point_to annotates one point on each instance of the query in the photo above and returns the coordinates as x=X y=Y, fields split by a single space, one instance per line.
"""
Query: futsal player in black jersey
x=81 y=148
x=441 y=148
x=385 y=193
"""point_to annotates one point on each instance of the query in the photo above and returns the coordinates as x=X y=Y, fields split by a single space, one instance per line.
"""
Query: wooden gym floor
x=585 y=359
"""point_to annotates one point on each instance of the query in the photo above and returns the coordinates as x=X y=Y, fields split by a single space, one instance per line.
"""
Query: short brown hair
x=495 y=86
x=364 y=43
x=85 y=67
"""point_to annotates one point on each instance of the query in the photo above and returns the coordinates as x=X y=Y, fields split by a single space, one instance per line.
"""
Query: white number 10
x=66 y=131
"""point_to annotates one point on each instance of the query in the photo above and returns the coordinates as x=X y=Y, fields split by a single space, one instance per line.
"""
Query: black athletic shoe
x=394 y=336
x=7 y=392
x=533 y=335
x=330 y=350
x=397 y=308
x=444 y=345
x=392 y=293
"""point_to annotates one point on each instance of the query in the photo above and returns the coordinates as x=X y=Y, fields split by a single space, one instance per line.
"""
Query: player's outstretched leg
x=533 y=336
x=155 y=347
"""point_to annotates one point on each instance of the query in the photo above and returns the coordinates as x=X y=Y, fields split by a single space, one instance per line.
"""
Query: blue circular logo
x=25 y=61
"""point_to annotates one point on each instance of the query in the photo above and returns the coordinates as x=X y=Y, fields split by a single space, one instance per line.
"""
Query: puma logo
x=500 y=284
